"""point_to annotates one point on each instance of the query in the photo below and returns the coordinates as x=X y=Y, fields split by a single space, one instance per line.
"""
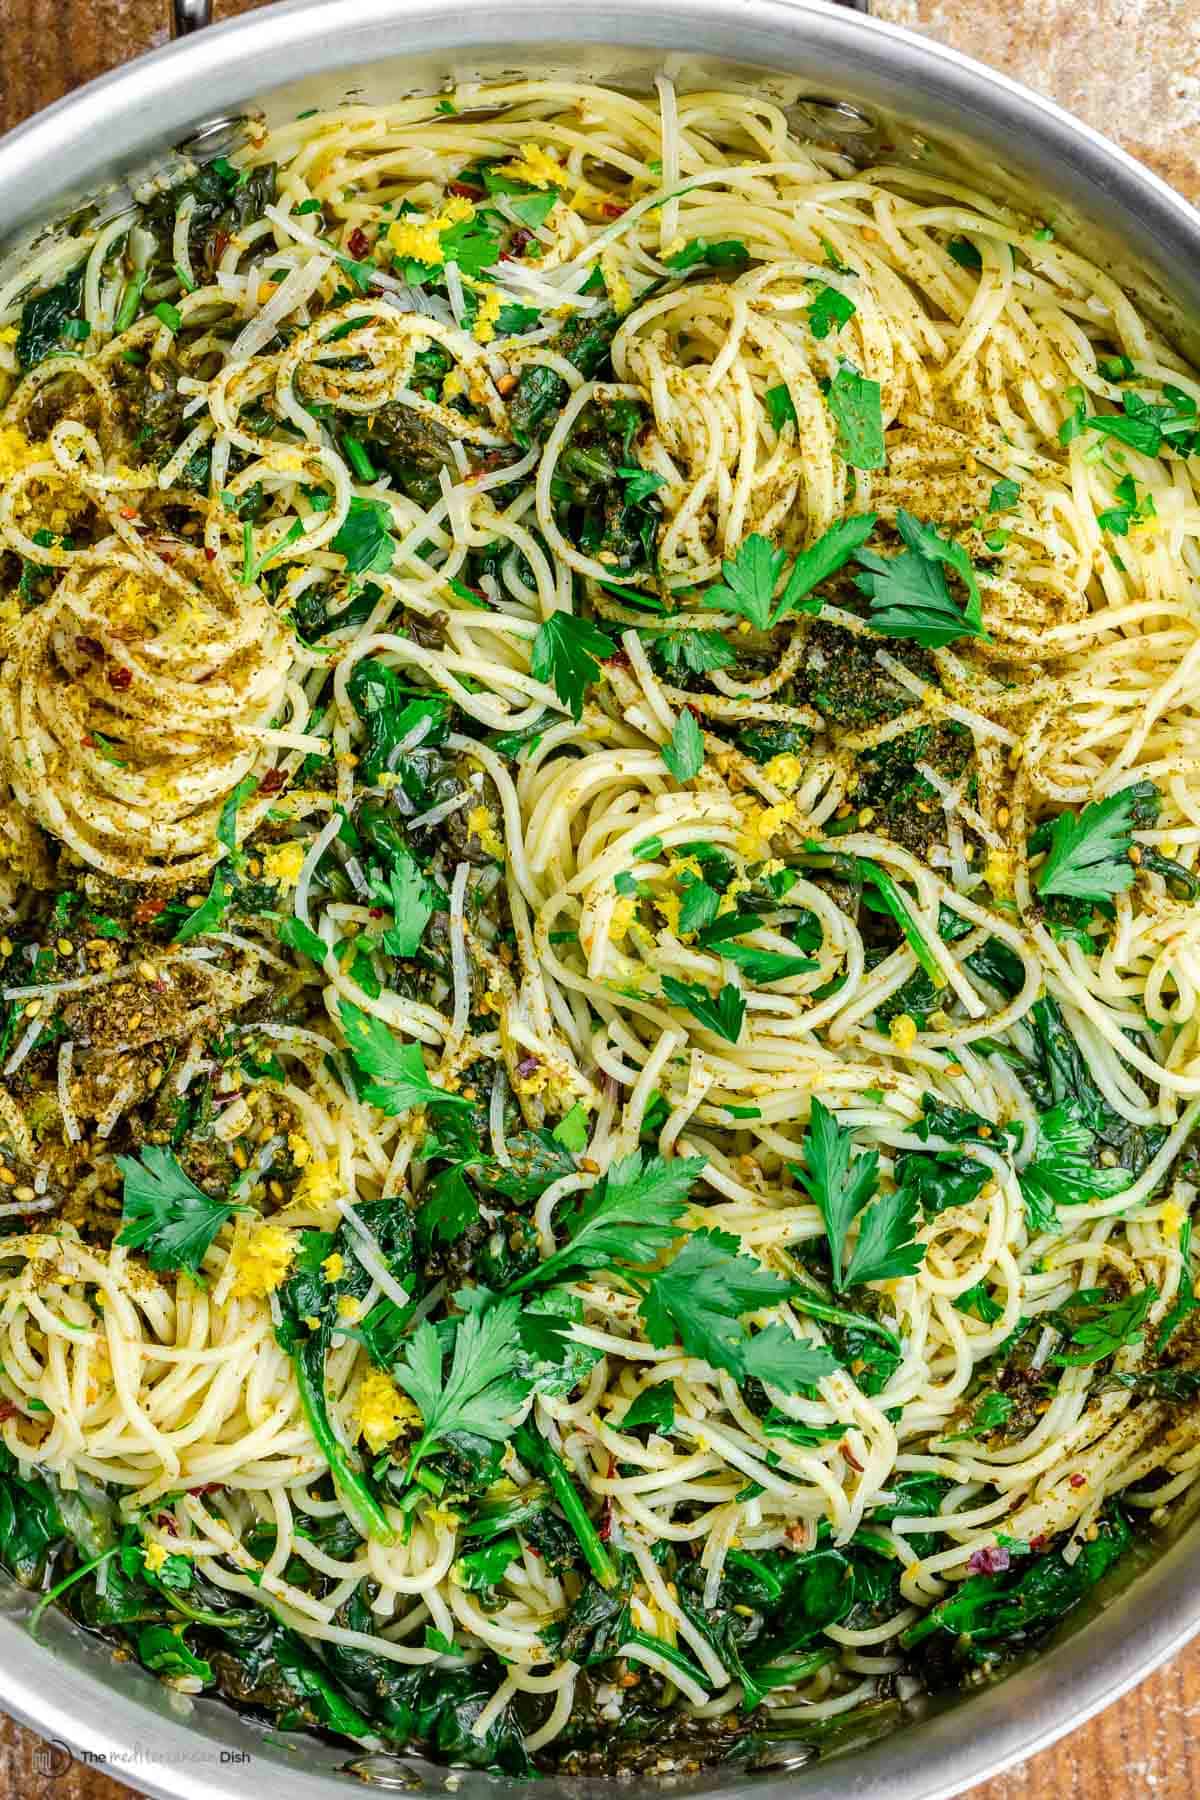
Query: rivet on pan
x=837 y=116
x=385 y=1772
x=784 y=1760
x=214 y=137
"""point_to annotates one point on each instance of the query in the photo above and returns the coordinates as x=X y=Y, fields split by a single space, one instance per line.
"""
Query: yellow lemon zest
x=481 y=824
x=319 y=1186
x=16 y=452
x=420 y=243
x=619 y=290
x=300 y=1148
x=382 y=1412
x=485 y=319
x=621 y=917
x=1173 y=1216
x=761 y=826
x=535 y=166
x=283 y=863
x=261 y=1256
x=998 y=873
x=421 y=240
x=786 y=771
x=668 y=905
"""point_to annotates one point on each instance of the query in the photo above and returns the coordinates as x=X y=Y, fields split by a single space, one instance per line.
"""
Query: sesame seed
x=147 y=971
x=33 y=1009
x=24 y=1192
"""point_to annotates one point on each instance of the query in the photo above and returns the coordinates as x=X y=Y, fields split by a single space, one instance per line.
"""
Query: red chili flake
x=272 y=781
x=207 y=1487
x=463 y=190
x=8 y=1410
x=1078 y=1481
x=851 y=1458
x=1039 y=1543
x=220 y=244
x=358 y=243
x=618 y=660
x=377 y=912
x=993 y=1559
x=88 y=646
x=166 y=1522
x=517 y=244
x=149 y=908
x=129 y=512
x=210 y=554
x=120 y=678
x=612 y=209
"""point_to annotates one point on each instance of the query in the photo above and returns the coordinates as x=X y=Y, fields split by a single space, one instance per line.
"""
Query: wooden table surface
x=1130 y=67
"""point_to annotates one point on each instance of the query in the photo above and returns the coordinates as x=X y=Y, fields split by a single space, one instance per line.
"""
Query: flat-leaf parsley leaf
x=165 y=1214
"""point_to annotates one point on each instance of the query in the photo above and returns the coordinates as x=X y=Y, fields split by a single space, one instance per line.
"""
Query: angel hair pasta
x=600 y=956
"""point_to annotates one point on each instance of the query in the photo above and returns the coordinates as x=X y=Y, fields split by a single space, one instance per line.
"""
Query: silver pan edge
x=927 y=102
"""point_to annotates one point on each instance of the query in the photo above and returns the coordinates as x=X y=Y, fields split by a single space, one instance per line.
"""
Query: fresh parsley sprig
x=855 y=403
x=684 y=754
x=830 y=310
x=1087 y=853
x=398 y=1079
x=479 y=1393
x=700 y=1299
x=844 y=1185
x=723 y=1013
x=753 y=574
x=631 y=1216
x=165 y=1214
x=910 y=597
x=567 y=653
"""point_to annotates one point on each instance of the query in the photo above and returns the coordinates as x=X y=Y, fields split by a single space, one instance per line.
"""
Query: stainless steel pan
x=865 y=84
